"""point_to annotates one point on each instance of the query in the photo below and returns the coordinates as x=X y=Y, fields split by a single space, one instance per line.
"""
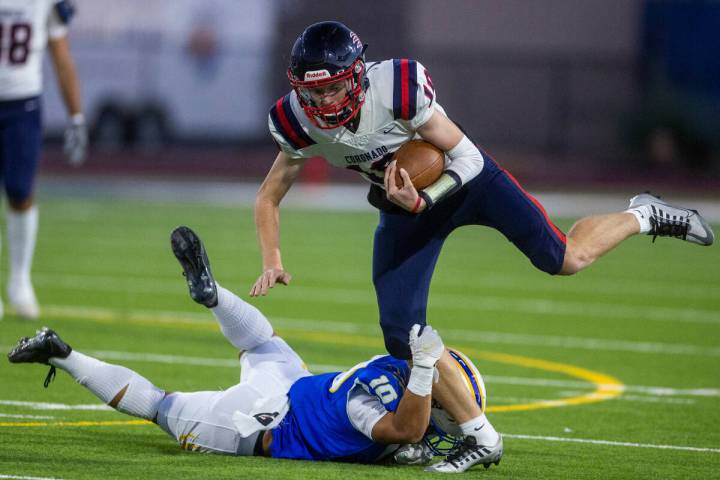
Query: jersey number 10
x=15 y=43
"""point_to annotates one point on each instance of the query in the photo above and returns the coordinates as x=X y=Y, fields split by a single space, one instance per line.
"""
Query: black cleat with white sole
x=190 y=252
x=46 y=344
x=668 y=220
x=468 y=455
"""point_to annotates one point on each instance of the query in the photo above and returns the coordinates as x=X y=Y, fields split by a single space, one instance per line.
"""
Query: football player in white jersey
x=27 y=27
x=355 y=114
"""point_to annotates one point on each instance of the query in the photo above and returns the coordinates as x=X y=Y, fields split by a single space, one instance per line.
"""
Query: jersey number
x=15 y=42
x=376 y=171
x=384 y=389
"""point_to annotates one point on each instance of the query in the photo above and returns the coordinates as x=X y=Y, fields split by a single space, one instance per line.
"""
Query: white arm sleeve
x=466 y=161
x=364 y=410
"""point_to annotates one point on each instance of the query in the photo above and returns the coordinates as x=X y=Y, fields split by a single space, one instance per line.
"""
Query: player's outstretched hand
x=268 y=279
x=426 y=347
x=406 y=196
x=76 y=140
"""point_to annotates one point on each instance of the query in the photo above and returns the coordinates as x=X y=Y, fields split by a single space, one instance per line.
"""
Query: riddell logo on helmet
x=356 y=40
x=316 y=75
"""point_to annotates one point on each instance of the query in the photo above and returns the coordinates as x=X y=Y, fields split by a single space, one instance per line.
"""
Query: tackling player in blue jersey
x=278 y=409
x=26 y=29
x=355 y=114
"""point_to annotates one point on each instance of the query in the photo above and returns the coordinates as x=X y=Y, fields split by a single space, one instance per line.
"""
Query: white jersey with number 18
x=25 y=27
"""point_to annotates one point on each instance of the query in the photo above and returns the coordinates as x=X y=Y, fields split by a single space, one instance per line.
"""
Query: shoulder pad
x=287 y=124
x=405 y=85
x=383 y=384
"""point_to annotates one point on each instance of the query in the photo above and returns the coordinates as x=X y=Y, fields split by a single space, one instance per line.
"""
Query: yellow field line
x=606 y=386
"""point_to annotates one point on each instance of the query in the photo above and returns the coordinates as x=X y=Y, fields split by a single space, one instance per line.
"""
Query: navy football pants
x=20 y=140
x=407 y=247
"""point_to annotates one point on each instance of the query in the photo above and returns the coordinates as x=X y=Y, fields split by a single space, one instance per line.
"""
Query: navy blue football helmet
x=327 y=53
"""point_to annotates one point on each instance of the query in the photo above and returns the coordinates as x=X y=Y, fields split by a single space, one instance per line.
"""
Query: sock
x=21 y=235
x=141 y=397
x=241 y=323
x=642 y=214
x=480 y=428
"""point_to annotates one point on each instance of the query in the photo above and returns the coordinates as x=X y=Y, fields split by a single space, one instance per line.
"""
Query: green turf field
x=647 y=317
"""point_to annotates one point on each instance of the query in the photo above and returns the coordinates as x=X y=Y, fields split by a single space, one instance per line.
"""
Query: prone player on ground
x=26 y=29
x=278 y=409
x=355 y=114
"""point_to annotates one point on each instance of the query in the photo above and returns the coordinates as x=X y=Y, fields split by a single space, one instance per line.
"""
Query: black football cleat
x=190 y=252
x=45 y=345
x=40 y=348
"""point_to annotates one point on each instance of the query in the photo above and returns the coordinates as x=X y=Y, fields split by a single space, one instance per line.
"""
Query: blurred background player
x=278 y=409
x=355 y=115
x=26 y=29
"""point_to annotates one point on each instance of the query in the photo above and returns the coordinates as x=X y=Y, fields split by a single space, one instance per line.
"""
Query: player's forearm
x=412 y=416
x=409 y=422
x=66 y=74
x=70 y=88
x=426 y=348
x=267 y=225
x=466 y=162
x=267 y=207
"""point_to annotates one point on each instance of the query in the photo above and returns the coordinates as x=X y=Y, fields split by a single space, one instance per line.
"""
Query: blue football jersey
x=318 y=427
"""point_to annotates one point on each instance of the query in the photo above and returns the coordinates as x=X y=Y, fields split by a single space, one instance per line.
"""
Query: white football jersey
x=399 y=99
x=25 y=26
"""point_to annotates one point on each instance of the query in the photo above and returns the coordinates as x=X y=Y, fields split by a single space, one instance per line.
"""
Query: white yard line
x=611 y=443
x=490 y=304
x=522 y=437
x=650 y=391
x=321 y=368
x=451 y=334
x=32 y=417
x=168 y=359
x=648 y=290
x=54 y=406
x=535 y=307
x=487 y=280
x=20 y=477
x=503 y=399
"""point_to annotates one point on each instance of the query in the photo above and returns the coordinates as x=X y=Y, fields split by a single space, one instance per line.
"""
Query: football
x=423 y=161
